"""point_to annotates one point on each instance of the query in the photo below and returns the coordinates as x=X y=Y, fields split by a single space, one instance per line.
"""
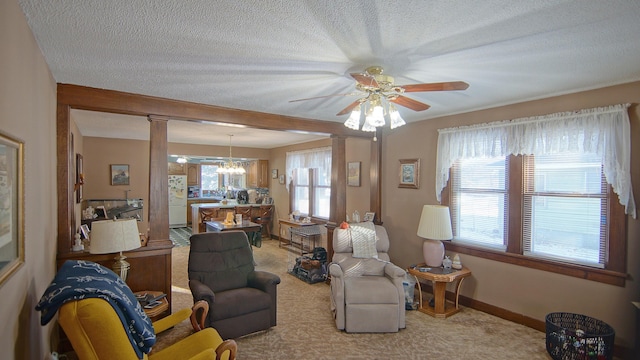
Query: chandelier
x=230 y=167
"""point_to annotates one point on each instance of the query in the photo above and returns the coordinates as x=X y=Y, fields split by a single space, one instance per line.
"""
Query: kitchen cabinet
x=258 y=174
x=193 y=174
x=175 y=168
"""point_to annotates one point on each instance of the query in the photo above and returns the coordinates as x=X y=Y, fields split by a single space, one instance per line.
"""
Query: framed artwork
x=281 y=179
x=409 y=173
x=11 y=206
x=119 y=174
x=274 y=173
x=79 y=178
x=369 y=216
x=353 y=173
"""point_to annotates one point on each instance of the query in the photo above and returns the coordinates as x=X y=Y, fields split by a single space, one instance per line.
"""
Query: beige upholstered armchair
x=366 y=288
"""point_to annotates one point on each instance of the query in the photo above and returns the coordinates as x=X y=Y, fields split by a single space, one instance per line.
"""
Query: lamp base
x=433 y=252
x=121 y=266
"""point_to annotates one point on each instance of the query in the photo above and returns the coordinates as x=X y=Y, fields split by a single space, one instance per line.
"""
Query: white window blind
x=565 y=208
x=480 y=201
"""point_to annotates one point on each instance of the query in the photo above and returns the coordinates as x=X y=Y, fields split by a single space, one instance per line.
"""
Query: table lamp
x=115 y=236
x=435 y=225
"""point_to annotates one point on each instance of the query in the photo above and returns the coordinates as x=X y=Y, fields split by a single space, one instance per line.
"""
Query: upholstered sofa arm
x=335 y=270
x=201 y=291
x=171 y=320
x=263 y=280
x=393 y=271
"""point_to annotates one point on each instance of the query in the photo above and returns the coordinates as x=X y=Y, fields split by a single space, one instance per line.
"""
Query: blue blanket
x=78 y=279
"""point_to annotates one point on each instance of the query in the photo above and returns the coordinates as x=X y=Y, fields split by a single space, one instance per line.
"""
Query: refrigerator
x=177 y=201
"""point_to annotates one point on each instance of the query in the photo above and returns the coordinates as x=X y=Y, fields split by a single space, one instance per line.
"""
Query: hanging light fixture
x=230 y=167
x=377 y=108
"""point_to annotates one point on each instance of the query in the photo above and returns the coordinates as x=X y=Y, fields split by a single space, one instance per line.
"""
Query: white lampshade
x=394 y=116
x=353 y=122
x=115 y=236
x=434 y=226
x=112 y=236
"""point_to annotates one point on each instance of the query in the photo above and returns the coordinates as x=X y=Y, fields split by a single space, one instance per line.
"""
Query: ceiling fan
x=376 y=86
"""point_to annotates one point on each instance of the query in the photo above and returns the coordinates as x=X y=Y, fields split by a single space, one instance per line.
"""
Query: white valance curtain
x=603 y=131
x=318 y=158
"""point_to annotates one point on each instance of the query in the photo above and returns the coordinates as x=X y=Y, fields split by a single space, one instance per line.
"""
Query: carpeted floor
x=306 y=329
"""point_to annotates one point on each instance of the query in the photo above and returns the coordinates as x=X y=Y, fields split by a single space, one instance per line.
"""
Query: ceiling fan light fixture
x=353 y=122
x=395 y=118
x=375 y=115
x=367 y=126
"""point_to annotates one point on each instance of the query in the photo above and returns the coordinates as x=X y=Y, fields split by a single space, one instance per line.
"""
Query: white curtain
x=318 y=158
x=603 y=131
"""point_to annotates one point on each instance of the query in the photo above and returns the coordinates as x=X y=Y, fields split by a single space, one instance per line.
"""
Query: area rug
x=180 y=236
x=306 y=329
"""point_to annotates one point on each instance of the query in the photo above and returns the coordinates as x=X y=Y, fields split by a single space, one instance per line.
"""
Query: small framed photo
x=281 y=179
x=353 y=173
x=369 y=216
x=274 y=173
x=119 y=174
x=101 y=212
x=84 y=231
x=409 y=173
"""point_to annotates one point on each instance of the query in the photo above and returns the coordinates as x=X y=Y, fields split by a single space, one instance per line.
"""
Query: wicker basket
x=578 y=337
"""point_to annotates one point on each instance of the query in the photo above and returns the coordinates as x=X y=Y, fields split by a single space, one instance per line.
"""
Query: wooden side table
x=154 y=313
x=442 y=308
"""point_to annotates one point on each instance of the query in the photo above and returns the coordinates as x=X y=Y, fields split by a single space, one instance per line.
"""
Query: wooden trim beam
x=87 y=98
x=158 y=182
x=375 y=201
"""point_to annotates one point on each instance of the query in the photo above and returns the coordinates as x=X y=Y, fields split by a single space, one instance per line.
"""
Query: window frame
x=614 y=271
x=311 y=190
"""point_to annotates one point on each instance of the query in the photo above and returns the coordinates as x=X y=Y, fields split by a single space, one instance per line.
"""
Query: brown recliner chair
x=222 y=272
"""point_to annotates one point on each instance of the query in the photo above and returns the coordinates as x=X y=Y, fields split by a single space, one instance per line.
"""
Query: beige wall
x=525 y=291
x=27 y=112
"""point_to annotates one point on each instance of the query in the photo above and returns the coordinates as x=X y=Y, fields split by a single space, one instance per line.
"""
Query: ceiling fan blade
x=349 y=108
x=410 y=103
x=324 y=96
x=364 y=79
x=442 y=86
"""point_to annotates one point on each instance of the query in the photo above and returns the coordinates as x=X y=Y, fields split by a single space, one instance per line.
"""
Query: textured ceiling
x=258 y=55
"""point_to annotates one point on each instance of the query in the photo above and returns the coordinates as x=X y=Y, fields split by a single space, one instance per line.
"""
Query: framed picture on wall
x=274 y=173
x=281 y=179
x=353 y=173
x=11 y=206
x=409 y=173
x=119 y=174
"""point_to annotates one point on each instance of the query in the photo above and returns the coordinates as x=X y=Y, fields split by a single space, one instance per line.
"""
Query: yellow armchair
x=96 y=332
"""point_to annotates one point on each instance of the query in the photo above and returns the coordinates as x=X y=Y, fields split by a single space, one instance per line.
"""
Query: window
x=561 y=208
x=479 y=201
x=309 y=173
x=565 y=206
x=209 y=180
